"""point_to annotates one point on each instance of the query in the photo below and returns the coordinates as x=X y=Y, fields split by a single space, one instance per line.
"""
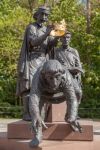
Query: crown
x=59 y=29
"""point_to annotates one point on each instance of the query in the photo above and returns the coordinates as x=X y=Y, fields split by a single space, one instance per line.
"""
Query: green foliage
x=15 y=15
x=12 y=25
x=8 y=111
x=88 y=46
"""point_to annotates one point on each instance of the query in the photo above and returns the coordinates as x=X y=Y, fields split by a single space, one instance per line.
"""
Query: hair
x=52 y=67
x=64 y=36
x=67 y=32
x=41 y=9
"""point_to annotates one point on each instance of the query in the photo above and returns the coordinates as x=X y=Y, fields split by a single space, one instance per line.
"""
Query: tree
x=12 y=25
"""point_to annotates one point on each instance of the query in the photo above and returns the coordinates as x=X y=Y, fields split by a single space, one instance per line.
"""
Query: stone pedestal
x=23 y=144
x=57 y=112
x=19 y=133
x=55 y=131
x=19 y=130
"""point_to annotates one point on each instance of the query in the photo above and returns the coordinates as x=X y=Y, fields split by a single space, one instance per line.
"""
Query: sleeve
x=51 y=44
x=33 y=38
x=72 y=103
x=77 y=60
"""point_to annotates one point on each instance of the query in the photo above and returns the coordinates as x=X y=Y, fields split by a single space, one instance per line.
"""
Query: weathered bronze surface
x=33 y=53
x=50 y=79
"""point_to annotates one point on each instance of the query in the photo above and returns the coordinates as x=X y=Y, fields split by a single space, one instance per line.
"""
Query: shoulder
x=66 y=79
x=57 y=53
x=74 y=51
x=31 y=26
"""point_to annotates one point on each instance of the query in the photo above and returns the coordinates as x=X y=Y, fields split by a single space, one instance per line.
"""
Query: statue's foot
x=26 y=117
x=35 y=142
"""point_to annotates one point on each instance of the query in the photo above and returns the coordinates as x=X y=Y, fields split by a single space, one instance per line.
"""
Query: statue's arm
x=72 y=106
x=52 y=42
x=33 y=38
x=72 y=103
x=77 y=60
x=77 y=69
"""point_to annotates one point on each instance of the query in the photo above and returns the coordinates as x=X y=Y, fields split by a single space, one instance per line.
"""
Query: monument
x=44 y=84
x=51 y=84
x=36 y=45
x=51 y=79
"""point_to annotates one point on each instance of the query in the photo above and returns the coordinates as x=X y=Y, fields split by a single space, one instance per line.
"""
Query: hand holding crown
x=59 y=29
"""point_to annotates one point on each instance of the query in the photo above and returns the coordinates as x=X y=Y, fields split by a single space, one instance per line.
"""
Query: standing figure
x=51 y=79
x=69 y=58
x=33 y=54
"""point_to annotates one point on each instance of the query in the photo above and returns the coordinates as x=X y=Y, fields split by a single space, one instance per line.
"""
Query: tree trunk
x=88 y=16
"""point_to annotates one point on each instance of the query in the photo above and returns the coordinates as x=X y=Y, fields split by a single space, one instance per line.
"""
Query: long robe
x=32 y=55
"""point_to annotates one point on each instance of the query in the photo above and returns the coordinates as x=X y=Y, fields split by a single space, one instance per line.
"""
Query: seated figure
x=70 y=60
x=49 y=80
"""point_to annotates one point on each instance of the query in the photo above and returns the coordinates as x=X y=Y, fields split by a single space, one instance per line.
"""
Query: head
x=66 y=39
x=41 y=15
x=52 y=73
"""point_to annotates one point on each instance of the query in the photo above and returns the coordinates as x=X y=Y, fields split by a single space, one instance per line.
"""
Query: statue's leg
x=26 y=114
x=78 y=90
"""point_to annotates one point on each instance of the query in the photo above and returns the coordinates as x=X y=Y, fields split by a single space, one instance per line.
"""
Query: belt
x=37 y=53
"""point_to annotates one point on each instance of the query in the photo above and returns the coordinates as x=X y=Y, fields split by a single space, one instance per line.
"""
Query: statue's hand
x=76 y=126
x=39 y=122
x=49 y=29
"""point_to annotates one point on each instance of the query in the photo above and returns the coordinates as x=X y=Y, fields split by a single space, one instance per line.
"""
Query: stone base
x=63 y=131
x=14 y=144
x=22 y=144
x=19 y=130
x=55 y=131
x=57 y=112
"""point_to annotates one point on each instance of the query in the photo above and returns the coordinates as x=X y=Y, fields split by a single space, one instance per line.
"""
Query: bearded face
x=42 y=17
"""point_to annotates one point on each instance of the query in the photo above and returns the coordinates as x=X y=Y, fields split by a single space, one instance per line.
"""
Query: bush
x=10 y=111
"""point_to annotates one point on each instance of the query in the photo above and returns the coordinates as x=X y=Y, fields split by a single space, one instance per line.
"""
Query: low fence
x=16 y=112
x=11 y=112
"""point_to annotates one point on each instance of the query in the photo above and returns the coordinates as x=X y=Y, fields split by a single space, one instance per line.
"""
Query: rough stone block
x=55 y=131
x=63 y=131
x=57 y=112
x=22 y=144
x=19 y=129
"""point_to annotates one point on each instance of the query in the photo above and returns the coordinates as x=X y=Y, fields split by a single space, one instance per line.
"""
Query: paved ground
x=4 y=122
x=57 y=145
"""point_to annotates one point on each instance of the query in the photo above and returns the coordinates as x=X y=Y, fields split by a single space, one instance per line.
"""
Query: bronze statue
x=49 y=80
x=35 y=46
x=69 y=58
